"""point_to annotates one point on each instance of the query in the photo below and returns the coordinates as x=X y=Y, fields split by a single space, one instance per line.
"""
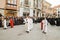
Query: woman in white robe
x=26 y=22
x=4 y=22
x=45 y=25
x=29 y=24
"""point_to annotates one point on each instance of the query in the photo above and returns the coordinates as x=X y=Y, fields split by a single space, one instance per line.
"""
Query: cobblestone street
x=18 y=33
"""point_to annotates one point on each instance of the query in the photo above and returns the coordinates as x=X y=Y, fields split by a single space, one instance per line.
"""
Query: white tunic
x=45 y=25
x=25 y=21
x=29 y=23
x=4 y=22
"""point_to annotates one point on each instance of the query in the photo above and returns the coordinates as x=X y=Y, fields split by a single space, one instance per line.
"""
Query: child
x=4 y=23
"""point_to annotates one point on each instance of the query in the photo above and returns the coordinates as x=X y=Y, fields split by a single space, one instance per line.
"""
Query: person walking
x=11 y=23
x=41 y=25
x=44 y=21
x=4 y=23
x=31 y=23
x=28 y=24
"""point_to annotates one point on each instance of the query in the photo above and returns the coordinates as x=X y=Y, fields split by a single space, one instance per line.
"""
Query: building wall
x=33 y=5
x=46 y=8
x=2 y=12
x=38 y=8
x=21 y=9
x=2 y=6
x=57 y=10
x=2 y=3
x=28 y=8
x=11 y=7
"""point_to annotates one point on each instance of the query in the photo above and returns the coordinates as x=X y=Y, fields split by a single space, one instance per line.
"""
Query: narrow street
x=18 y=33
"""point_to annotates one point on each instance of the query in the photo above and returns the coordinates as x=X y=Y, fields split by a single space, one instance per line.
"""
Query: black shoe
x=27 y=31
x=44 y=32
x=30 y=30
x=5 y=28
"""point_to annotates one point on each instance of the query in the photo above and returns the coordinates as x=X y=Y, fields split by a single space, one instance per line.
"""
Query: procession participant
x=41 y=25
x=31 y=23
x=28 y=24
x=11 y=23
x=5 y=26
x=25 y=21
x=44 y=25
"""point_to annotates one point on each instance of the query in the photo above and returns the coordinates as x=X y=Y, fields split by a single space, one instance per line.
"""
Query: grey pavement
x=18 y=33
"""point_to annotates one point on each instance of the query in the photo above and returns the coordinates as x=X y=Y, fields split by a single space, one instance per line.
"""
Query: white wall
x=21 y=3
x=39 y=4
x=39 y=15
x=31 y=13
x=2 y=3
x=21 y=12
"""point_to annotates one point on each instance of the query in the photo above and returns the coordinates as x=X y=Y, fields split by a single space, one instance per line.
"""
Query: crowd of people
x=28 y=21
x=10 y=21
x=6 y=22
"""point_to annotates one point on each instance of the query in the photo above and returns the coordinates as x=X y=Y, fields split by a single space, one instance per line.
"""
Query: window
x=21 y=3
x=26 y=9
x=29 y=3
x=8 y=1
x=8 y=5
x=44 y=7
x=58 y=11
x=14 y=1
x=11 y=1
x=26 y=2
x=36 y=3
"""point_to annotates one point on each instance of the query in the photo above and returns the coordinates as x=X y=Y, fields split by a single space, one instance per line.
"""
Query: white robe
x=29 y=24
x=45 y=25
x=4 y=22
x=26 y=23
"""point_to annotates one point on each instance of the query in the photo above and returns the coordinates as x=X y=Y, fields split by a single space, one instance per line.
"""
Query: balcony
x=12 y=4
x=26 y=5
x=11 y=8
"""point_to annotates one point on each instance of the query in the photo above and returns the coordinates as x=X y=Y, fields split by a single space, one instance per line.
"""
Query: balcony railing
x=11 y=8
x=26 y=5
x=12 y=4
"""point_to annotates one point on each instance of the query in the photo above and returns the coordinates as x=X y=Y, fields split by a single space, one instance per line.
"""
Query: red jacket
x=11 y=22
x=41 y=25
